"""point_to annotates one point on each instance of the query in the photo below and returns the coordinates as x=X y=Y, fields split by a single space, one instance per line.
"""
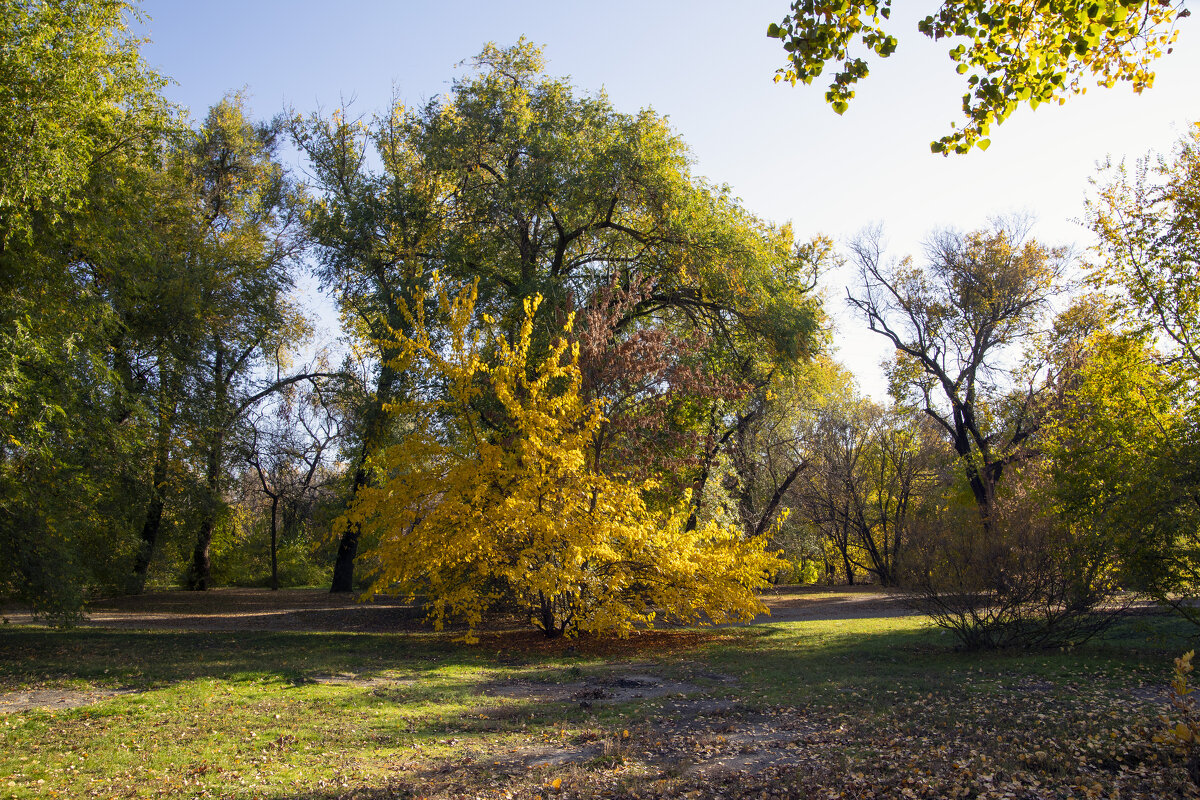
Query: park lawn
x=882 y=707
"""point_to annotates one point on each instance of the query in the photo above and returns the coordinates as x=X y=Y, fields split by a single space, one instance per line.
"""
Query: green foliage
x=131 y=258
x=520 y=183
x=1136 y=475
x=74 y=89
x=1147 y=218
x=808 y=572
x=1124 y=453
x=1012 y=53
x=81 y=132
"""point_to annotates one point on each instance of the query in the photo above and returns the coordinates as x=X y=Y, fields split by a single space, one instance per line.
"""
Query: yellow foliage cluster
x=1184 y=731
x=473 y=509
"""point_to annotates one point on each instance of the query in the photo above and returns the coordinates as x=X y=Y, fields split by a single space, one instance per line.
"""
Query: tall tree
x=73 y=90
x=1013 y=52
x=81 y=126
x=1137 y=393
x=518 y=182
x=957 y=325
x=248 y=239
x=1148 y=220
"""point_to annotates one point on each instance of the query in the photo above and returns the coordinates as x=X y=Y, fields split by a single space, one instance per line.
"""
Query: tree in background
x=1011 y=52
x=248 y=240
x=374 y=234
x=868 y=469
x=772 y=450
x=471 y=513
x=291 y=452
x=970 y=336
x=1148 y=221
x=957 y=324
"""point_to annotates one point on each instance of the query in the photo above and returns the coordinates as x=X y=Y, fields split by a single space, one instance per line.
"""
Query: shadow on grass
x=145 y=659
x=813 y=653
x=902 y=658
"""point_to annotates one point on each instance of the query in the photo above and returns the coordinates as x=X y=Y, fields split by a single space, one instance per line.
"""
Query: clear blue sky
x=708 y=66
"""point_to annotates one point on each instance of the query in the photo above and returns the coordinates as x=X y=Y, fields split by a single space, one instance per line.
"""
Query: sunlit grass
x=290 y=714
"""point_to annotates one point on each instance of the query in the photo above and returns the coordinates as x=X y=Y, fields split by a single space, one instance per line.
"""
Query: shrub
x=471 y=512
x=1026 y=578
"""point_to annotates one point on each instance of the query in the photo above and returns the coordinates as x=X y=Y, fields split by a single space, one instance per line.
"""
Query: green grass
x=890 y=701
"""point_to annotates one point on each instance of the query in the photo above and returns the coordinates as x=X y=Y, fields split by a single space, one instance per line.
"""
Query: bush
x=806 y=572
x=1026 y=579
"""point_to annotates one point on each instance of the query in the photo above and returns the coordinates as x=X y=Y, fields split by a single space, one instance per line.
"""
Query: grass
x=866 y=707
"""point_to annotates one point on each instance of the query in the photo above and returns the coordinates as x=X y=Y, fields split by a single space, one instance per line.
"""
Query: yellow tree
x=490 y=497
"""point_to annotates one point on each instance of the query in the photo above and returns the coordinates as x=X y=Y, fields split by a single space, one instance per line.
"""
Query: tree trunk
x=149 y=539
x=274 y=549
x=157 y=504
x=200 y=574
x=706 y=470
x=768 y=514
x=343 y=566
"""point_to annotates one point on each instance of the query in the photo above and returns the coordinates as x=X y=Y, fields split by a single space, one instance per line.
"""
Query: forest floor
x=840 y=693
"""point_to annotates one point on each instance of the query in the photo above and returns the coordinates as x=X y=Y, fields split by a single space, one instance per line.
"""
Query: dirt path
x=316 y=610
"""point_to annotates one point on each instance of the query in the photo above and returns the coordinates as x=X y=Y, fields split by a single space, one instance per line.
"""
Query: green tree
x=1033 y=571
x=517 y=181
x=73 y=89
x=1148 y=221
x=1124 y=453
x=1011 y=53
x=81 y=125
x=247 y=241
x=1138 y=389
x=869 y=467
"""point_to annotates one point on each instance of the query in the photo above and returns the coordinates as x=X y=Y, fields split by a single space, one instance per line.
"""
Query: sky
x=708 y=66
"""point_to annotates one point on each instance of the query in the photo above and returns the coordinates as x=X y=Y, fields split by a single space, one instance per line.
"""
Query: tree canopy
x=952 y=321
x=1012 y=53
x=519 y=182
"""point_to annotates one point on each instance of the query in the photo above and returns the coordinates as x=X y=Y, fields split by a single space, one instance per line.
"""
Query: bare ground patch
x=48 y=699
x=594 y=691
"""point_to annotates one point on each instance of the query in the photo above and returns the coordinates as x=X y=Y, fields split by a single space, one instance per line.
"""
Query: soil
x=316 y=610
x=55 y=698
